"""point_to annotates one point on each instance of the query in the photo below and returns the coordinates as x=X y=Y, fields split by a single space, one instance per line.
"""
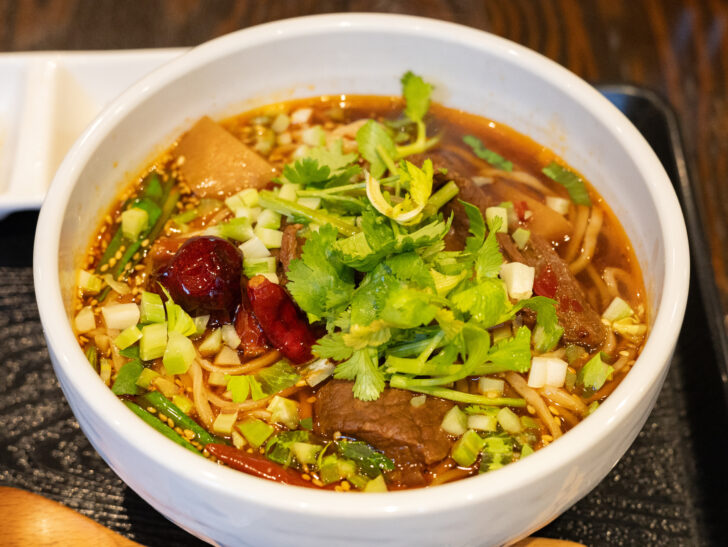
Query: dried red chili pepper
x=252 y=339
x=545 y=283
x=280 y=320
x=256 y=464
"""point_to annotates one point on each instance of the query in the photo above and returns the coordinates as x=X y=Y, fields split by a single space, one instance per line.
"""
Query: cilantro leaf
x=548 y=332
x=332 y=346
x=332 y=156
x=409 y=267
x=306 y=171
x=493 y=158
x=571 y=181
x=372 y=138
x=418 y=180
x=486 y=302
x=513 y=353
x=319 y=283
x=370 y=462
x=476 y=227
x=363 y=368
x=416 y=93
x=488 y=258
x=370 y=296
x=277 y=377
x=406 y=308
x=426 y=235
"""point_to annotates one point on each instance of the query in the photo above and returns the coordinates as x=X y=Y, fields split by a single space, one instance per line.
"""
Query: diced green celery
x=183 y=402
x=617 y=309
x=271 y=238
x=239 y=387
x=376 y=485
x=216 y=378
x=146 y=378
x=280 y=123
x=526 y=450
x=249 y=197
x=179 y=354
x=127 y=337
x=329 y=472
x=238 y=229
x=230 y=336
x=201 y=323
x=254 y=248
x=481 y=422
x=105 y=370
x=125 y=382
x=151 y=308
x=227 y=356
x=255 y=431
x=153 y=341
x=168 y=388
x=89 y=283
x=306 y=453
x=491 y=213
x=284 y=411
x=133 y=222
x=311 y=202
x=289 y=191
x=521 y=237
x=238 y=440
x=509 y=420
x=223 y=424
x=256 y=390
x=211 y=344
x=445 y=283
x=178 y=320
x=347 y=468
x=595 y=373
x=255 y=266
x=269 y=219
x=272 y=277
x=455 y=422
x=574 y=353
x=465 y=451
x=530 y=423
x=418 y=400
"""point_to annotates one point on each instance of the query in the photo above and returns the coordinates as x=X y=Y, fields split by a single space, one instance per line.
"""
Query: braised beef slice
x=291 y=245
x=409 y=435
x=581 y=322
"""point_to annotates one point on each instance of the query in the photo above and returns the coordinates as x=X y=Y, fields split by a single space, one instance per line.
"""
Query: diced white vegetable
x=617 y=309
x=230 y=336
x=227 y=356
x=133 y=221
x=311 y=203
x=300 y=152
x=223 y=424
x=117 y=286
x=455 y=422
x=481 y=181
x=302 y=115
x=497 y=212
x=556 y=372
x=289 y=191
x=217 y=379
x=120 y=316
x=491 y=385
x=211 y=344
x=271 y=276
x=314 y=136
x=318 y=371
x=481 y=422
x=418 y=400
x=254 y=248
x=537 y=374
x=560 y=205
x=280 y=123
x=272 y=239
x=518 y=279
x=521 y=237
x=508 y=420
x=284 y=138
x=85 y=320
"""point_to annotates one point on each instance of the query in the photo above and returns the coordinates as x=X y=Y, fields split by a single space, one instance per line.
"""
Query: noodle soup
x=360 y=293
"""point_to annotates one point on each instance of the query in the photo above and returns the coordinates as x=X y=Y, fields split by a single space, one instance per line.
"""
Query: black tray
x=667 y=490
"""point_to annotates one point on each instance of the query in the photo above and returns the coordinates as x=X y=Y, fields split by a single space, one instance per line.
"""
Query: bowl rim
x=452 y=496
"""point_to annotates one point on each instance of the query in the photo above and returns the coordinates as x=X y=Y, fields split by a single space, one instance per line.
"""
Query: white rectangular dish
x=46 y=101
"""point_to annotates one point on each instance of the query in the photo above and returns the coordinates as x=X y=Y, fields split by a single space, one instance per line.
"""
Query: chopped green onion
x=153 y=341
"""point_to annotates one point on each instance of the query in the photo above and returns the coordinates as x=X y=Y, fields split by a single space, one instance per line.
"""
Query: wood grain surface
x=676 y=47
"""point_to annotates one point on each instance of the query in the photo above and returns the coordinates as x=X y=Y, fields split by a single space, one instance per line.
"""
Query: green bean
x=163 y=428
x=170 y=410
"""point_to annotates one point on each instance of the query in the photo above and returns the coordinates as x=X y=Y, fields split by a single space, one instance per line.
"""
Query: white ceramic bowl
x=366 y=54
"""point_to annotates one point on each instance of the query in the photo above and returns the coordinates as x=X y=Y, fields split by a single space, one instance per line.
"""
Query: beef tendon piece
x=409 y=435
x=553 y=279
x=216 y=164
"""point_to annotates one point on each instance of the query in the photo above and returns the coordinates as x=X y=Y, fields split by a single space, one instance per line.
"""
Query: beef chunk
x=409 y=435
x=216 y=164
x=581 y=322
